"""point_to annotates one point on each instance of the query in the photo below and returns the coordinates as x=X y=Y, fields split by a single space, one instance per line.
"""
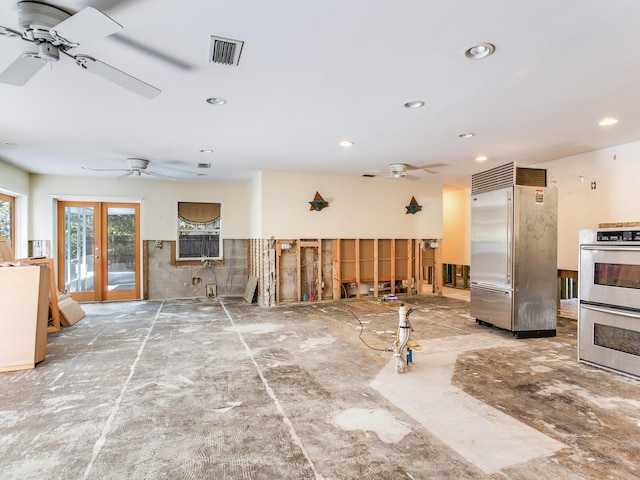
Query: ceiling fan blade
x=86 y=25
x=105 y=169
x=22 y=69
x=426 y=167
x=129 y=173
x=116 y=76
x=160 y=175
x=410 y=177
x=9 y=32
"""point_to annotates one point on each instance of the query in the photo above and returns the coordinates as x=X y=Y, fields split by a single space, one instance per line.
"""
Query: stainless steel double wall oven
x=609 y=291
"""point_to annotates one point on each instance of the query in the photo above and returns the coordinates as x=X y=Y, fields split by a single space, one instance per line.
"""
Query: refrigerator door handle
x=509 y=222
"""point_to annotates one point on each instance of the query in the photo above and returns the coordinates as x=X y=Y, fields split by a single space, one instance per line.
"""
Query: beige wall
x=276 y=204
x=158 y=202
x=456 y=243
x=358 y=207
x=255 y=202
x=272 y=205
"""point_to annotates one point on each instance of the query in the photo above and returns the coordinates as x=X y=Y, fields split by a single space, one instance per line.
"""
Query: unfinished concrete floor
x=218 y=389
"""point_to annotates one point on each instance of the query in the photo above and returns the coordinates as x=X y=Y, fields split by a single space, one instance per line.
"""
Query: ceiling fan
x=136 y=167
x=55 y=31
x=399 y=170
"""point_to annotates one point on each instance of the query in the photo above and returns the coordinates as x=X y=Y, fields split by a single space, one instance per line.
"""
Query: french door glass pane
x=5 y=219
x=121 y=248
x=78 y=249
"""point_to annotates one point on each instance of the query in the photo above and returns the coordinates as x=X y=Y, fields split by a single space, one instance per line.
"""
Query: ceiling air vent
x=225 y=50
x=204 y=165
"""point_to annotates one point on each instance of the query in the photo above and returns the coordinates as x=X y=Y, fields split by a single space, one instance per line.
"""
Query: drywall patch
x=385 y=425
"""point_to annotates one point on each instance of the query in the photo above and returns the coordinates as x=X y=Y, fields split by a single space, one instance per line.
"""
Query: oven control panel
x=609 y=235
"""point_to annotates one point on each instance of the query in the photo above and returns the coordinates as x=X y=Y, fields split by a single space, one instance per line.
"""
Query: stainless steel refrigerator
x=514 y=251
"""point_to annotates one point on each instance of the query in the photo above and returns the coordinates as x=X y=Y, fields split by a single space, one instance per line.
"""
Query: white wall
x=158 y=202
x=13 y=180
x=616 y=197
x=358 y=207
x=456 y=243
x=616 y=172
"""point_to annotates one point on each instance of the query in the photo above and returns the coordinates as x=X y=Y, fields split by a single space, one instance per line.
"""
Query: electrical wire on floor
x=362 y=328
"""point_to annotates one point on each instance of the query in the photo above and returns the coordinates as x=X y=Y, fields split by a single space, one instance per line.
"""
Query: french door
x=99 y=250
x=8 y=220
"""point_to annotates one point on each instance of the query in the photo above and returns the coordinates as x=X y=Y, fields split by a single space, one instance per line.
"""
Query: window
x=7 y=220
x=199 y=231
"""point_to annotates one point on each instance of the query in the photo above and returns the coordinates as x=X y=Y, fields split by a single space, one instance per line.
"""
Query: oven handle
x=618 y=248
x=614 y=311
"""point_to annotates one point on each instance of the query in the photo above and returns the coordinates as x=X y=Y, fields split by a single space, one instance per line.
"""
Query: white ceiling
x=313 y=73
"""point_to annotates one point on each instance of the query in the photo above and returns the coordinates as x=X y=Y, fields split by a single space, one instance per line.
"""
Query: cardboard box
x=70 y=310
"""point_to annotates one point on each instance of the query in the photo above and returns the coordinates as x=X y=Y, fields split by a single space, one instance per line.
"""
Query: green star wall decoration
x=413 y=207
x=318 y=203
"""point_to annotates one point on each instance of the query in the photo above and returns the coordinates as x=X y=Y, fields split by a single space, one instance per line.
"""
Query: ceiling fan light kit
x=55 y=31
x=137 y=163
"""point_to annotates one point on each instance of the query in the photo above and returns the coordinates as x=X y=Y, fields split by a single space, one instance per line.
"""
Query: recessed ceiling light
x=467 y=135
x=216 y=101
x=414 y=104
x=608 y=121
x=481 y=158
x=206 y=150
x=479 y=51
x=346 y=143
